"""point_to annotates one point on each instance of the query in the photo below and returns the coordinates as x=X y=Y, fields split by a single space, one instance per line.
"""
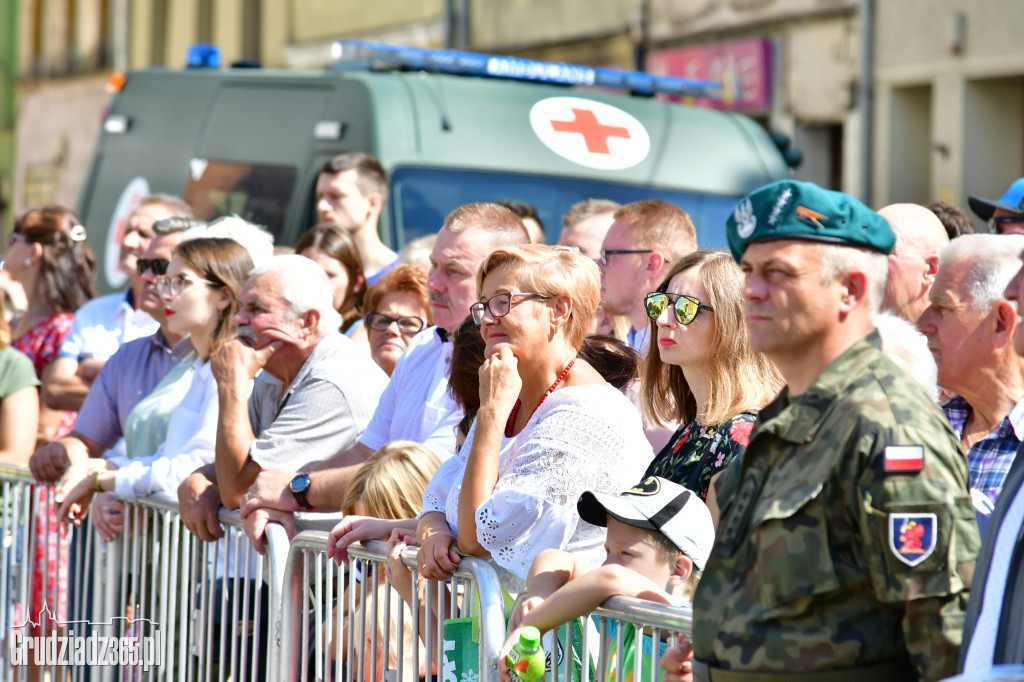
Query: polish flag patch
x=904 y=458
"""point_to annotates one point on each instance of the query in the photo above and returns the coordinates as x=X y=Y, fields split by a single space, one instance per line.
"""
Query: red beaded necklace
x=511 y=423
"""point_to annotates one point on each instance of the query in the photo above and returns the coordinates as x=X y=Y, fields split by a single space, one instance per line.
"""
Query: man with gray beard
x=315 y=396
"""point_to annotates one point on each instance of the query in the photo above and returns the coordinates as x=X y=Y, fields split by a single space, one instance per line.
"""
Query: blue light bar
x=492 y=66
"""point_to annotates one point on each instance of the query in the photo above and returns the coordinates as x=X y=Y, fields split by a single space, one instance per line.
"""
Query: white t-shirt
x=581 y=438
x=103 y=324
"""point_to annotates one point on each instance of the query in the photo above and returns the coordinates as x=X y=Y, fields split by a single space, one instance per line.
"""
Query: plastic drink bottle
x=526 y=660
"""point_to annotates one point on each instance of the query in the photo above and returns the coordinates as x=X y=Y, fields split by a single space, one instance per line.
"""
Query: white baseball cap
x=661 y=505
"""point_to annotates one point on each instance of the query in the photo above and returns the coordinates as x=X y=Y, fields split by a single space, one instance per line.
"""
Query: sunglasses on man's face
x=157 y=265
x=685 y=307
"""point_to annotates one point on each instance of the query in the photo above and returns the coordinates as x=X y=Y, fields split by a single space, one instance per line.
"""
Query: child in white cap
x=659 y=537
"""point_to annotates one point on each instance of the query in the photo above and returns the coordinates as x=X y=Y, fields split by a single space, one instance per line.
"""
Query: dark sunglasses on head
x=157 y=265
x=685 y=308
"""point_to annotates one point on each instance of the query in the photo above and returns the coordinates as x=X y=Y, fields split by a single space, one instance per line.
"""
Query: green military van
x=251 y=142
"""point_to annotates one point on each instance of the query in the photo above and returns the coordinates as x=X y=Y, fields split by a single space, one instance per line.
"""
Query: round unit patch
x=592 y=134
x=129 y=200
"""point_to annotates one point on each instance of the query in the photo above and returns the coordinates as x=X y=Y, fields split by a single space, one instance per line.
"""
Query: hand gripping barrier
x=348 y=624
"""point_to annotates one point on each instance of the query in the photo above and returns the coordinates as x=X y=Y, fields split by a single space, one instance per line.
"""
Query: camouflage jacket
x=836 y=549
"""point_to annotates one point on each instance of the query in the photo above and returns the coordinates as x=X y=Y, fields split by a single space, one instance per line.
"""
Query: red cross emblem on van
x=590 y=133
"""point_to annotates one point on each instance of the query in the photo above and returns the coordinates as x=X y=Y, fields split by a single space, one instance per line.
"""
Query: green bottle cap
x=529 y=637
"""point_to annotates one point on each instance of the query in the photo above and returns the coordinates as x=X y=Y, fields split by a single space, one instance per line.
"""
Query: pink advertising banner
x=742 y=66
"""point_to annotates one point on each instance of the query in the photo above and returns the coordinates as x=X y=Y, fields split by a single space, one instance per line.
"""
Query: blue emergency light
x=493 y=66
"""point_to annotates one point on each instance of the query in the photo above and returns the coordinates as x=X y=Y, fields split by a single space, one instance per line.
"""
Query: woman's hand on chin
x=500 y=383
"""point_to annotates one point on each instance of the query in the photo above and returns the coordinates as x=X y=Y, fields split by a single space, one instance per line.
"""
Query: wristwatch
x=300 y=489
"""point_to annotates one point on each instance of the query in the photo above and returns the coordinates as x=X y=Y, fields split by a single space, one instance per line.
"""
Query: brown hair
x=370 y=175
x=406 y=279
x=552 y=271
x=68 y=264
x=464 y=372
x=739 y=378
x=226 y=264
x=504 y=226
x=392 y=480
x=588 y=208
x=952 y=218
x=337 y=244
x=657 y=224
x=613 y=359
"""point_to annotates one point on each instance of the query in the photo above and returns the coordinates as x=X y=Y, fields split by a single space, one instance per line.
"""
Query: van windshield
x=257 y=193
x=422 y=197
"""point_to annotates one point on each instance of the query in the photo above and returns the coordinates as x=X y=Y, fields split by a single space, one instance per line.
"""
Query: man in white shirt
x=104 y=323
x=415 y=405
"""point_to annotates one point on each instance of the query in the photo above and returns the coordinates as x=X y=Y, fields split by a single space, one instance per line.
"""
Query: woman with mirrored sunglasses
x=701 y=372
x=397 y=308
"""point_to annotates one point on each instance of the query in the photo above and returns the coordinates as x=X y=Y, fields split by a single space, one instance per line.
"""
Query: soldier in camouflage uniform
x=847 y=538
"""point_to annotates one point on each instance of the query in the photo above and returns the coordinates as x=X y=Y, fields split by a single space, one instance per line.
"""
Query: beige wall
x=55 y=148
x=524 y=23
x=675 y=19
x=317 y=20
x=974 y=98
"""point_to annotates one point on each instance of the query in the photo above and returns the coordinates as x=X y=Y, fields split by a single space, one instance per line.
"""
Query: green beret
x=788 y=209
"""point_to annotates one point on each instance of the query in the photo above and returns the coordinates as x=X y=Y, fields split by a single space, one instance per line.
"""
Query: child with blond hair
x=389 y=487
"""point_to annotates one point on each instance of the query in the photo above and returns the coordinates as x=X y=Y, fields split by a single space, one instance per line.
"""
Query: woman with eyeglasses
x=48 y=255
x=331 y=248
x=701 y=371
x=200 y=295
x=397 y=308
x=548 y=426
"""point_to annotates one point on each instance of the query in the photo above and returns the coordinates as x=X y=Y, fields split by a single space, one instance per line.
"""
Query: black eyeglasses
x=380 y=322
x=498 y=305
x=995 y=223
x=603 y=260
x=157 y=265
x=686 y=307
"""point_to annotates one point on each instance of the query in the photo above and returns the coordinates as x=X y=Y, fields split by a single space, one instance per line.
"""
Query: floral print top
x=695 y=452
x=41 y=344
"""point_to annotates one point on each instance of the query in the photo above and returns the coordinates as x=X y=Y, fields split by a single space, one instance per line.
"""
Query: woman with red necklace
x=548 y=427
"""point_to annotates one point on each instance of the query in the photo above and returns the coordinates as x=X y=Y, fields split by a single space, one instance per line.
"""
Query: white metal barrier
x=218 y=611
x=328 y=610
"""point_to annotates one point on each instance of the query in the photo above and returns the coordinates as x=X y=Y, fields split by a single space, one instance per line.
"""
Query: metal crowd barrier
x=158 y=603
x=337 y=625
x=209 y=612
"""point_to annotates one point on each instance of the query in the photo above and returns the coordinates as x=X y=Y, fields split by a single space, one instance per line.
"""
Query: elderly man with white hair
x=971 y=328
x=914 y=260
x=314 y=398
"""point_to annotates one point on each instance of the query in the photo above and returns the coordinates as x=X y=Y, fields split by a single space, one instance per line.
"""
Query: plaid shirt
x=990 y=457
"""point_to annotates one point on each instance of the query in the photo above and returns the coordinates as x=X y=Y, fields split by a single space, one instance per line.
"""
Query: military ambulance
x=450 y=128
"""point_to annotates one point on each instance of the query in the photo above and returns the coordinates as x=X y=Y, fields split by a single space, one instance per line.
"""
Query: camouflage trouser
x=892 y=670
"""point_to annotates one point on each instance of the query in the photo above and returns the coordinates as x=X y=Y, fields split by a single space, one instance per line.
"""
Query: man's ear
x=656 y=261
x=1005 y=314
x=855 y=290
x=682 y=570
x=309 y=323
x=932 y=262
x=375 y=200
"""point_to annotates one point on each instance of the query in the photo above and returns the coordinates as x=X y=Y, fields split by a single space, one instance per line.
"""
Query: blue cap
x=1012 y=201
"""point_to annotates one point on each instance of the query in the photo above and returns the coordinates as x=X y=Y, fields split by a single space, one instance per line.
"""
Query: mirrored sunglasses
x=685 y=307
